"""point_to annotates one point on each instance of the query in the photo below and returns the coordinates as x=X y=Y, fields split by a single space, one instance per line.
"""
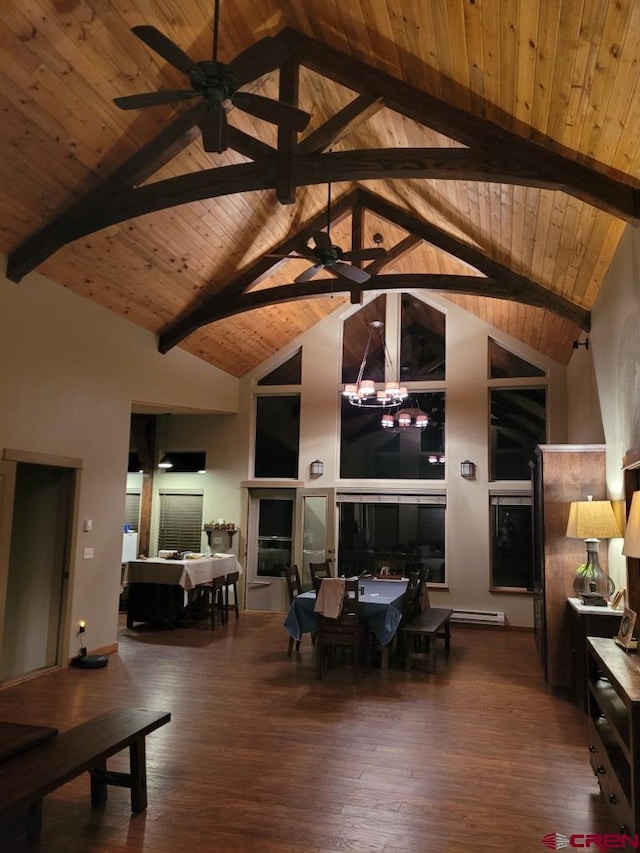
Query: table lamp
x=592 y=521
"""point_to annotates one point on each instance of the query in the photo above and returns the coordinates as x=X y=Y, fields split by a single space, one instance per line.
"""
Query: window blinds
x=180 y=522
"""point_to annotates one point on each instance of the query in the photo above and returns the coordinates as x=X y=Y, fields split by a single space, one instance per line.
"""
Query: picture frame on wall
x=624 y=637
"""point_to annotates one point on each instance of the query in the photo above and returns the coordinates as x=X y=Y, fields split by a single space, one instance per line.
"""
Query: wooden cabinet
x=614 y=729
x=588 y=621
x=561 y=473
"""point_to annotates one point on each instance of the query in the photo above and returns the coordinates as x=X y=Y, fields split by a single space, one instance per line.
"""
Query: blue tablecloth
x=380 y=607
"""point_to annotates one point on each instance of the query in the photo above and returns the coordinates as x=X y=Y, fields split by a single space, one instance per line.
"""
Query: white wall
x=616 y=351
x=69 y=372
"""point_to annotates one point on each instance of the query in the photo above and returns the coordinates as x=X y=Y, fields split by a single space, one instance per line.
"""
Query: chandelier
x=409 y=417
x=362 y=392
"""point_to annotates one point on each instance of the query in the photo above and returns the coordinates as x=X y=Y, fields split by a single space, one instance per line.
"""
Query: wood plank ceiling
x=548 y=89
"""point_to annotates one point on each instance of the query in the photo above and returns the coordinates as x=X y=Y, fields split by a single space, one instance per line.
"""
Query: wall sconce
x=468 y=469
x=316 y=469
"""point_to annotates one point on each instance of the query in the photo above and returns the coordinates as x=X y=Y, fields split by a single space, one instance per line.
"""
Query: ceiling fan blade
x=307 y=274
x=258 y=59
x=215 y=131
x=165 y=48
x=276 y=112
x=322 y=241
x=347 y=271
x=152 y=99
x=364 y=254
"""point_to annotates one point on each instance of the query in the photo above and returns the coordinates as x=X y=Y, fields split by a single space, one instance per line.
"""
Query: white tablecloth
x=184 y=573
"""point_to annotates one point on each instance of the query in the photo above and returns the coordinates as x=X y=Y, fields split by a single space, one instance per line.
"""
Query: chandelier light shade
x=363 y=392
x=592 y=520
x=410 y=417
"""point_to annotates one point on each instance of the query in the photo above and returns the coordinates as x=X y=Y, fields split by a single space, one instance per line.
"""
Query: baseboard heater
x=479 y=617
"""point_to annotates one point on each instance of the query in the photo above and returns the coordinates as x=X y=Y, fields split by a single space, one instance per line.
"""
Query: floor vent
x=479 y=617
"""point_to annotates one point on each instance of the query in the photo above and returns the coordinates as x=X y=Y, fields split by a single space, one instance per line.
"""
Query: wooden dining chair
x=318 y=571
x=231 y=584
x=207 y=601
x=346 y=631
x=294 y=588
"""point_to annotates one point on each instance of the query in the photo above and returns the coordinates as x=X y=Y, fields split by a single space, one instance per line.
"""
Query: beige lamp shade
x=631 y=547
x=592 y=520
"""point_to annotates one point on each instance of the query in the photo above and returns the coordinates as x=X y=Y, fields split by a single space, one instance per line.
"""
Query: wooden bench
x=420 y=635
x=27 y=778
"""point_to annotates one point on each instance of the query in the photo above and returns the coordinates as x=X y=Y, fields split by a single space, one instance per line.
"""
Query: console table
x=587 y=621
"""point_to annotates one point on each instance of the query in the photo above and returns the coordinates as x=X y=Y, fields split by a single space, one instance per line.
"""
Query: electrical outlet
x=88 y=553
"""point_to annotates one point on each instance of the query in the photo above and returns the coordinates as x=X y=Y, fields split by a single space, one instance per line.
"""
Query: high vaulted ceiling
x=491 y=144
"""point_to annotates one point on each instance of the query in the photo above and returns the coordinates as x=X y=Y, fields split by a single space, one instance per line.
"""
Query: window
x=403 y=529
x=355 y=332
x=518 y=424
x=504 y=364
x=367 y=451
x=289 y=373
x=277 y=436
x=132 y=510
x=422 y=350
x=511 y=542
x=180 y=522
x=275 y=535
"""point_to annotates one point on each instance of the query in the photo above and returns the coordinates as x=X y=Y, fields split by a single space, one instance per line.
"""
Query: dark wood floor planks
x=260 y=757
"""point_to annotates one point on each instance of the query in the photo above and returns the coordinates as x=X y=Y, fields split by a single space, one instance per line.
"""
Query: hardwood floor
x=260 y=757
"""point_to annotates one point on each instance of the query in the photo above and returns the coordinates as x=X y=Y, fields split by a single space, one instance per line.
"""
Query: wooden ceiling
x=493 y=144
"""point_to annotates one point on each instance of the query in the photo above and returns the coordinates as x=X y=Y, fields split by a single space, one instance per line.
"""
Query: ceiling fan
x=326 y=255
x=219 y=84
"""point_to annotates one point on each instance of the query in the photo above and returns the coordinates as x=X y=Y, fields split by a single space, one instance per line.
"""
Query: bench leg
x=447 y=636
x=432 y=653
x=138 y=764
x=97 y=775
x=34 y=821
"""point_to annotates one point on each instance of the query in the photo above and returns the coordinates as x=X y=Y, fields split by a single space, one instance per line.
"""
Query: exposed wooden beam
x=287 y=138
x=515 y=286
x=199 y=316
x=466 y=284
x=128 y=202
x=138 y=168
x=585 y=183
x=339 y=125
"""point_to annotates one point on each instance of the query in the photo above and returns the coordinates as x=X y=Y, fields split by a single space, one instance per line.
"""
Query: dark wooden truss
x=491 y=154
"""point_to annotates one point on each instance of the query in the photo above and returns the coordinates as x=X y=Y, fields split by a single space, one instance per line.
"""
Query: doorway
x=36 y=508
x=286 y=526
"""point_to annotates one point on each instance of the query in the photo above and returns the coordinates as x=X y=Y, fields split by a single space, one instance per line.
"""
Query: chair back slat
x=294 y=586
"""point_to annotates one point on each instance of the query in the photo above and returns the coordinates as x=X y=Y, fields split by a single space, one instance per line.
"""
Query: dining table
x=159 y=587
x=379 y=607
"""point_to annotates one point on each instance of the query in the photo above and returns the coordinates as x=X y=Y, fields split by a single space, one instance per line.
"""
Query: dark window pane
x=408 y=536
x=511 y=546
x=354 y=343
x=504 y=364
x=518 y=424
x=275 y=532
x=289 y=373
x=369 y=452
x=186 y=461
x=422 y=355
x=277 y=436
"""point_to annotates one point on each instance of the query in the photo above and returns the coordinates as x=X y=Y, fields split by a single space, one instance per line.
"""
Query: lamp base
x=90 y=661
x=593 y=600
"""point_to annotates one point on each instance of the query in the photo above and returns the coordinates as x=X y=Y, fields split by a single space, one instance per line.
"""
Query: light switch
x=88 y=553
x=88 y=525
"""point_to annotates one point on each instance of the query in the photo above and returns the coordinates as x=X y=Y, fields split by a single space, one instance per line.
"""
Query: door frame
x=11 y=457
x=328 y=492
